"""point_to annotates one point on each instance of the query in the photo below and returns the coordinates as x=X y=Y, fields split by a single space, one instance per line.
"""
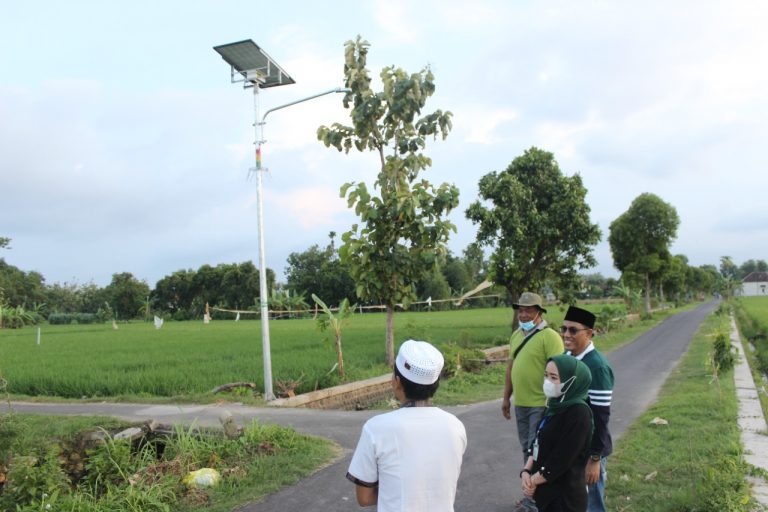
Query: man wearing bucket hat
x=410 y=459
x=530 y=347
x=577 y=330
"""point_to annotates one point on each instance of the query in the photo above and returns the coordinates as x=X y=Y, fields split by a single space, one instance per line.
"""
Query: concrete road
x=489 y=480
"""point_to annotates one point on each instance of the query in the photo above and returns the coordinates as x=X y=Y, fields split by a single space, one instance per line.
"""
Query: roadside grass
x=117 y=477
x=694 y=463
x=752 y=320
x=468 y=387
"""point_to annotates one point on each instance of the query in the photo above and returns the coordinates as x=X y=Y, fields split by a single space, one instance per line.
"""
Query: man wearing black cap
x=410 y=459
x=577 y=331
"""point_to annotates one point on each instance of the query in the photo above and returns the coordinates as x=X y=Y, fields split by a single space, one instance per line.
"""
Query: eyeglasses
x=572 y=330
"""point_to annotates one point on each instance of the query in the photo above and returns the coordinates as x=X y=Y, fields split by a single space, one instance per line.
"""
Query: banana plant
x=336 y=323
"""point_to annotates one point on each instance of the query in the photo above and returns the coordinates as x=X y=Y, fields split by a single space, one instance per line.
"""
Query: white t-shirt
x=414 y=453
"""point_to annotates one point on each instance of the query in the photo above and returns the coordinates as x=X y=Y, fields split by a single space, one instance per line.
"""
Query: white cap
x=419 y=362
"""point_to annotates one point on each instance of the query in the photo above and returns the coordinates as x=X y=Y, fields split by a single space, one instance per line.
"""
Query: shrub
x=722 y=355
x=461 y=359
x=60 y=319
x=32 y=479
x=609 y=317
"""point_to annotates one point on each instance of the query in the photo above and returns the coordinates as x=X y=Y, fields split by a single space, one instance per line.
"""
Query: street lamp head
x=255 y=67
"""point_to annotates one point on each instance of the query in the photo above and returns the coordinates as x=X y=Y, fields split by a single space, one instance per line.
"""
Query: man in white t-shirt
x=410 y=459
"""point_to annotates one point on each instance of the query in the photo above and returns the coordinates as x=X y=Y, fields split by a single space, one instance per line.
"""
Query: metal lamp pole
x=263 y=298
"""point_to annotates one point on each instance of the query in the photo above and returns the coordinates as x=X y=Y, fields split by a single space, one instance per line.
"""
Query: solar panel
x=253 y=64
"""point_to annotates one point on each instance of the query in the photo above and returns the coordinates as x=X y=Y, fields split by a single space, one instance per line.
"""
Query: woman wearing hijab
x=554 y=473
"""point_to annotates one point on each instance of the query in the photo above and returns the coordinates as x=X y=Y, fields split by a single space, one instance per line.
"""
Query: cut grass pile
x=693 y=463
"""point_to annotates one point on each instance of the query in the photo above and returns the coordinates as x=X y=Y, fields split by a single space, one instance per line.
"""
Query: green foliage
x=21 y=288
x=723 y=357
x=74 y=318
x=119 y=479
x=640 y=239
x=461 y=359
x=752 y=317
x=336 y=323
x=33 y=478
x=537 y=220
x=320 y=272
x=15 y=317
x=609 y=317
x=108 y=464
x=402 y=232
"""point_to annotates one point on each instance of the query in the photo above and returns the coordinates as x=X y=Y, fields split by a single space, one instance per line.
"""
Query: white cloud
x=312 y=208
x=484 y=124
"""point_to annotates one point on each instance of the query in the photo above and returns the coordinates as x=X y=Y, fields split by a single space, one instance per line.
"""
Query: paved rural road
x=488 y=482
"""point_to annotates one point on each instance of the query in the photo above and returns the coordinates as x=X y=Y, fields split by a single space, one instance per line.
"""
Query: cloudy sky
x=124 y=146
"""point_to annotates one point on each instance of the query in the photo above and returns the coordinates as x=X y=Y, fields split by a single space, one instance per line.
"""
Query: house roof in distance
x=756 y=277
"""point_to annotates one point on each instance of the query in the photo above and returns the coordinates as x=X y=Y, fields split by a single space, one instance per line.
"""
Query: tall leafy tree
x=537 y=221
x=402 y=230
x=640 y=238
x=320 y=272
x=4 y=242
x=126 y=295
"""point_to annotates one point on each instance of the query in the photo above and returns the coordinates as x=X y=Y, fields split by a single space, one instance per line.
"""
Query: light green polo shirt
x=528 y=366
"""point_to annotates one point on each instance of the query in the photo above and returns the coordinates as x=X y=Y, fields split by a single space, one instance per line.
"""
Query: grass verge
x=119 y=476
x=752 y=320
x=694 y=463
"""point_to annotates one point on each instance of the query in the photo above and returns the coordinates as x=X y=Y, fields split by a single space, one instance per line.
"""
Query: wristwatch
x=595 y=457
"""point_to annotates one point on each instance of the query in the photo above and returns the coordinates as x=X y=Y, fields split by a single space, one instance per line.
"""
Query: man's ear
x=396 y=382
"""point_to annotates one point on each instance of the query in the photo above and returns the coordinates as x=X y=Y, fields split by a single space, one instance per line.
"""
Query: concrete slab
x=754 y=429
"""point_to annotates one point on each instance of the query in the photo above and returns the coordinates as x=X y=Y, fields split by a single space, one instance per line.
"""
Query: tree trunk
x=341 y=356
x=647 y=294
x=390 y=341
x=512 y=291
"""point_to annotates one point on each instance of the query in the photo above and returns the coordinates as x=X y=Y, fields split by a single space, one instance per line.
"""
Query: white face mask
x=552 y=390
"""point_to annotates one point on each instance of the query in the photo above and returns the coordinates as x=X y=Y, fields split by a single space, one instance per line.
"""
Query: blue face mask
x=527 y=326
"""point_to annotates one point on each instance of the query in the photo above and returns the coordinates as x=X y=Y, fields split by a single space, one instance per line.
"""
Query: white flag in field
x=237 y=318
x=158 y=322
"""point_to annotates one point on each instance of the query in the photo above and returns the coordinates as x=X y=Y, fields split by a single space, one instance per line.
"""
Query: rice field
x=188 y=358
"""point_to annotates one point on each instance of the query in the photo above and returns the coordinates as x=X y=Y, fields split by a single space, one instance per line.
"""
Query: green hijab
x=576 y=378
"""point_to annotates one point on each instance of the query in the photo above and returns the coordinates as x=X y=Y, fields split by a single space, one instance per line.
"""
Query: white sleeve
x=363 y=466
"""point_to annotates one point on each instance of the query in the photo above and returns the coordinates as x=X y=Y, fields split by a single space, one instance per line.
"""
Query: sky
x=124 y=147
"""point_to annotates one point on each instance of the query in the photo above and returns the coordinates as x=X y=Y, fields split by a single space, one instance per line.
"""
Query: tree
x=538 y=223
x=126 y=294
x=4 y=242
x=402 y=232
x=320 y=272
x=674 y=279
x=21 y=288
x=750 y=266
x=728 y=268
x=434 y=286
x=641 y=236
x=175 y=294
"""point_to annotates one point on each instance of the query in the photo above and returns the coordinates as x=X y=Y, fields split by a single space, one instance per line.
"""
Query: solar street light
x=251 y=66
